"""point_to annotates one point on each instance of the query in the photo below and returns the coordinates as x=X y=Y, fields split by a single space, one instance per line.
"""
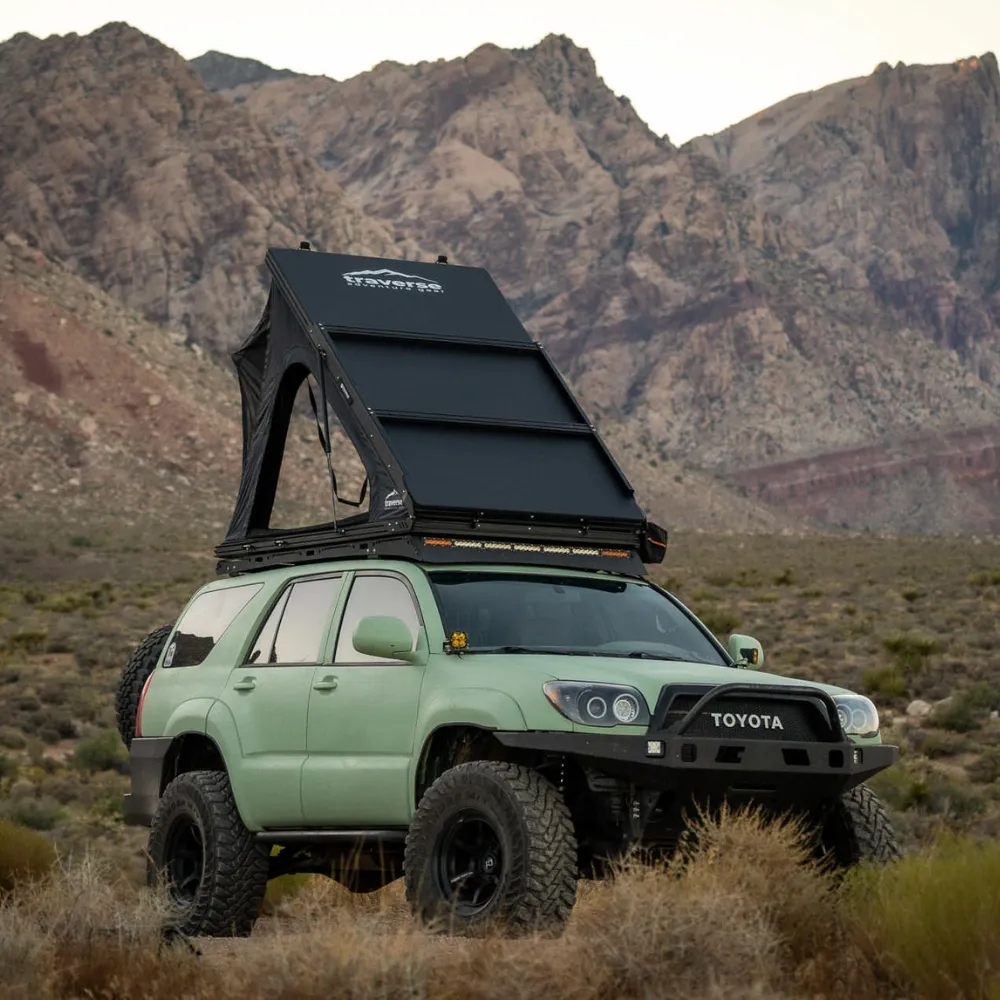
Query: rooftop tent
x=473 y=444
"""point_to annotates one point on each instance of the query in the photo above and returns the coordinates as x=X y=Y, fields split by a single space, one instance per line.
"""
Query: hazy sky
x=688 y=66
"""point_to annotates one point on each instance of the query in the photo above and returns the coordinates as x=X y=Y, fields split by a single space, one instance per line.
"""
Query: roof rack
x=474 y=447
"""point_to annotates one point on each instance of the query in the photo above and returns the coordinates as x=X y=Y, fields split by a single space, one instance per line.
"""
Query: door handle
x=328 y=683
x=247 y=684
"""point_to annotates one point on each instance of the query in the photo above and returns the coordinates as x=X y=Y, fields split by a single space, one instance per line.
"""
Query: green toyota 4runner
x=469 y=682
x=491 y=732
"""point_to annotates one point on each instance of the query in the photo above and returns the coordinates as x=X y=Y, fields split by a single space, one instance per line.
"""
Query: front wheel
x=491 y=844
x=859 y=829
x=214 y=869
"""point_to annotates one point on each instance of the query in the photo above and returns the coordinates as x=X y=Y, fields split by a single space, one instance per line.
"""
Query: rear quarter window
x=204 y=623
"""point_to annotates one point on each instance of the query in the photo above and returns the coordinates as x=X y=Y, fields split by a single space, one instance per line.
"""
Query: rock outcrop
x=118 y=160
x=221 y=71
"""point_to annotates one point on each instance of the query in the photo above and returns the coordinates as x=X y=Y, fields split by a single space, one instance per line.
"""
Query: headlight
x=598 y=704
x=858 y=716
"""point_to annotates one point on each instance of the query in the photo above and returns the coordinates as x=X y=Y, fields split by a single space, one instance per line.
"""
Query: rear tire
x=859 y=829
x=491 y=845
x=134 y=677
x=216 y=872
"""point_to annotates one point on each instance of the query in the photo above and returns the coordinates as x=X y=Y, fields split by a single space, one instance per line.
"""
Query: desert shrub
x=704 y=594
x=103 y=752
x=967 y=709
x=65 y=604
x=911 y=652
x=886 y=681
x=987 y=578
x=25 y=855
x=719 y=579
x=918 y=786
x=932 y=920
x=785 y=578
x=911 y=594
x=8 y=767
x=986 y=768
x=28 y=640
x=41 y=812
x=719 y=620
x=743 y=907
x=941 y=744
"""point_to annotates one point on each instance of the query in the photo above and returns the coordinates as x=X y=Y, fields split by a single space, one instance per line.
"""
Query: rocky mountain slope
x=104 y=415
x=702 y=317
x=118 y=160
x=894 y=182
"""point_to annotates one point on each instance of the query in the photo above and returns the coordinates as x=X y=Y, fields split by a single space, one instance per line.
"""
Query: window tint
x=202 y=625
x=303 y=621
x=374 y=595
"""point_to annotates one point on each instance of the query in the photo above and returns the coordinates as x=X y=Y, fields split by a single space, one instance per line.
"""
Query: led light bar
x=498 y=546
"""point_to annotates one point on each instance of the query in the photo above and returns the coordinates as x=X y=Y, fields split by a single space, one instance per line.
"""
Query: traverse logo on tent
x=393 y=280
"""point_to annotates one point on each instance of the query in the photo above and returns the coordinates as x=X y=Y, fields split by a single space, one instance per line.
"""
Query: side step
x=332 y=837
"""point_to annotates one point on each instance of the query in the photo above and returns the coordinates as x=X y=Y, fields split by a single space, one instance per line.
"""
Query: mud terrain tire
x=491 y=846
x=860 y=830
x=216 y=872
x=134 y=676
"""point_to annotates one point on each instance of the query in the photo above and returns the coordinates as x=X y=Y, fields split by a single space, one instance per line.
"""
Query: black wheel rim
x=184 y=859
x=470 y=863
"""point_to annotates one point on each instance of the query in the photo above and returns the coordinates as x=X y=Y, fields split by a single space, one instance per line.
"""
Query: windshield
x=535 y=613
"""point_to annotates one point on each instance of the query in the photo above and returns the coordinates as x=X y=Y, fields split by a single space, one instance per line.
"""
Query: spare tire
x=133 y=679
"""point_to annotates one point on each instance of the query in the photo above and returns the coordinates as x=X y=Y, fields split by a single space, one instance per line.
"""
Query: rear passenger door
x=362 y=717
x=268 y=696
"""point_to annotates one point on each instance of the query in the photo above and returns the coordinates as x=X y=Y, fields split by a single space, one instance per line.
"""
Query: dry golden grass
x=25 y=856
x=742 y=912
x=740 y=915
x=935 y=921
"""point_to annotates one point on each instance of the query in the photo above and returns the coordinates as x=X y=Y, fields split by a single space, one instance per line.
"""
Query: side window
x=294 y=630
x=264 y=646
x=374 y=595
x=202 y=625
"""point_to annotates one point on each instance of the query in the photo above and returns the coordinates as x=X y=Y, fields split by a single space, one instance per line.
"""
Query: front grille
x=746 y=718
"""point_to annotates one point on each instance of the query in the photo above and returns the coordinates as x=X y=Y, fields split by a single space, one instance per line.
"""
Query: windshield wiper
x=531 y=649
x=641 y=654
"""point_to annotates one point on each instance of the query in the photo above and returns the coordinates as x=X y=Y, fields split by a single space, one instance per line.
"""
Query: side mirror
x=388 y=638
x=746 y=651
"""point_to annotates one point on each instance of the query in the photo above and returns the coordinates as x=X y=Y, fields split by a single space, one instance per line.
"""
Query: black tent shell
x=474 y=446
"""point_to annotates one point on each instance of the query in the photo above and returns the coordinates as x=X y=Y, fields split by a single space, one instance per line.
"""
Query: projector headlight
x=598 y=704
x=858 y=715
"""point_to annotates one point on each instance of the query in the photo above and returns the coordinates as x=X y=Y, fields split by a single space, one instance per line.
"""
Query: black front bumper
x=673 y=756
x=794 y=771
x=146 y=756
